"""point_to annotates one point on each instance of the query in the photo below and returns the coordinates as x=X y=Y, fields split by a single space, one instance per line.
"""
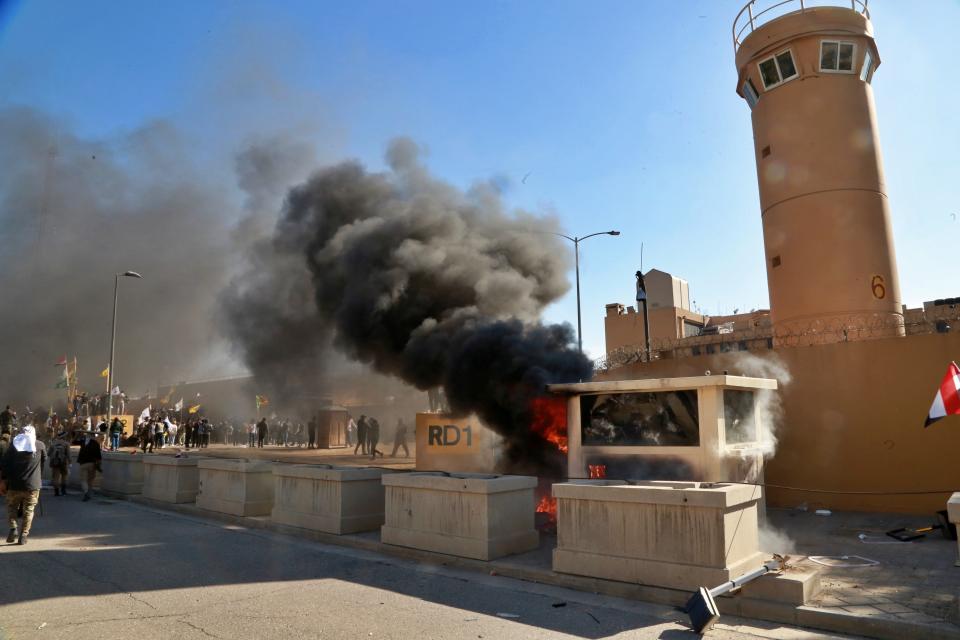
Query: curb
x=748 y=608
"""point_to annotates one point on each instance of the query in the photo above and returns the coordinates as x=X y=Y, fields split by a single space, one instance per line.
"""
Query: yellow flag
x=105 y=373
x=194 y=409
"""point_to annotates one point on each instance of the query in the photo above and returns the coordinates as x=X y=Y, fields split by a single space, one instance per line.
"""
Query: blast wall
x=853 y=420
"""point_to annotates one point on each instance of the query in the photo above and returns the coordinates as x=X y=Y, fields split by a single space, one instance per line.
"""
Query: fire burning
x=549 y=420
x=548 y=505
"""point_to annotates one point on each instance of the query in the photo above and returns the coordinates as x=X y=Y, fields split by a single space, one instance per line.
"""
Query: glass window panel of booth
x=640 y=419
x=739 y=416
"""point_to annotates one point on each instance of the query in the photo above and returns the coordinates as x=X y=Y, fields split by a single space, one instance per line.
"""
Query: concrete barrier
x=236 y=487
x=953 y=515
x=328 y=498
x=680 y=535
x=170 y=479
x=467 y=515
x=122 y=473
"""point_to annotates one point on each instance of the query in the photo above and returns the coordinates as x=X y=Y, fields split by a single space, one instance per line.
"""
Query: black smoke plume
x=418 y=280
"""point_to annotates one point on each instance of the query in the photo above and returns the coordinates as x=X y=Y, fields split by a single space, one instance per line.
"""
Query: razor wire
x=763 y=336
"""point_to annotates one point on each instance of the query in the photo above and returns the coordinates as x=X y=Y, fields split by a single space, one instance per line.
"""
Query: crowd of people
x=25 y=447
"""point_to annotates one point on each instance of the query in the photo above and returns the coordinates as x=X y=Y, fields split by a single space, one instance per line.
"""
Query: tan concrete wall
x=853 y=418
x=236 y=487
x=467 y=515
x=122 y=473
x=170 y=479
x=826 y=218
x=331 y=499
x=669 y=534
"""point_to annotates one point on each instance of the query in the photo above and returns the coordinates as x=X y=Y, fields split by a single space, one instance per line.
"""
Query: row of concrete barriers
x=678 y=535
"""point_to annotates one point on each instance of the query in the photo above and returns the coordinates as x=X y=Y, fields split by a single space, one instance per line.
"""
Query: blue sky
x=623 y=113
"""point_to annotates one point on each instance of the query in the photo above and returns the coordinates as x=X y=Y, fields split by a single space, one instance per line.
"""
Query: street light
x=576 y=252
x=113 y=339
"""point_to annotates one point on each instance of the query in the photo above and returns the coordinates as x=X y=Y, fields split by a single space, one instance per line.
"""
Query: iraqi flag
x=947 y=400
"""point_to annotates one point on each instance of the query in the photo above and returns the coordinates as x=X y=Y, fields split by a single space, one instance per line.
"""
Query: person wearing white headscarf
x=20 y=472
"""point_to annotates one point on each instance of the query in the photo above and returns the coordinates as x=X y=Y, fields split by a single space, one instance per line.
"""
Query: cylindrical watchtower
x=805 y=72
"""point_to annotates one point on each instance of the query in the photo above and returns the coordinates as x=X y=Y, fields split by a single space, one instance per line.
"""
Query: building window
x=866 y=73
x=836 y=57
x=750 y=93
x=777 y=69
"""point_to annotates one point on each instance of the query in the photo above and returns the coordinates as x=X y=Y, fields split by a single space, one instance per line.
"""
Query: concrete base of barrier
x=170 y=479
x=467 y=515
x=328 y=498
x=122 y=473
x=679 y=535
x=236 y=487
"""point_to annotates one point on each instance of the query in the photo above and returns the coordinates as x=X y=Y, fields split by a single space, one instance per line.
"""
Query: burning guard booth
x=704 y=428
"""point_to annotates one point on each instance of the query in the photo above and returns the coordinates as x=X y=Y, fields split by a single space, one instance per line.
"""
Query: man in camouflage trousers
x=20 y=469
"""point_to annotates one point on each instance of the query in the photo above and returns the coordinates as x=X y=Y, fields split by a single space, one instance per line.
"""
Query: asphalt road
x=112 y=569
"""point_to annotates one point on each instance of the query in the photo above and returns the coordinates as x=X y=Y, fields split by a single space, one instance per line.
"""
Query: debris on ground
x=844 y=561
x=868 y=539
x=508 y=615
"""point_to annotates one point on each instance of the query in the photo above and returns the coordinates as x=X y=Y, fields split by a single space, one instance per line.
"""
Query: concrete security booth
x=170 y=479
x=122 y=473
x=235 y=487
x=328 y=498
x=332 y=427
x=455 y=444
x=704 y=428
x=469 y=515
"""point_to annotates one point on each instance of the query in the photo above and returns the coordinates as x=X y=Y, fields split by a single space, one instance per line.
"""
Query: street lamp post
x=113 y=339
x=576 y=252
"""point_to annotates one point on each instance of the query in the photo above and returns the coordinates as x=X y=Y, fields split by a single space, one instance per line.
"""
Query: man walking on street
x=373 y=437
x=20 y=470
x=261 y=432
x=89 y=461
x=351 y=431
x=400 y=439
x=362 y=427
x=312 y=432
x=59 y=463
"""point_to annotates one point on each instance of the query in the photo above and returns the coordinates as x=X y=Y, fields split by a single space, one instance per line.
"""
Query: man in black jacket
x=21 y=469
x=89 y=460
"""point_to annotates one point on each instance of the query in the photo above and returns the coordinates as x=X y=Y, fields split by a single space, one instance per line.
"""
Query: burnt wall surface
x=853 y=417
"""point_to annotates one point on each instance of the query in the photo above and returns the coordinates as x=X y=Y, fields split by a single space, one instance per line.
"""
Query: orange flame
x=548 y=505
x=550 y=420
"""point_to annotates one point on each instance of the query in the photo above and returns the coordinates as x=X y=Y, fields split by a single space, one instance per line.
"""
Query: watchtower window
x=777 y=69
x=836 y=56
x=866 y=73
x=750 y=93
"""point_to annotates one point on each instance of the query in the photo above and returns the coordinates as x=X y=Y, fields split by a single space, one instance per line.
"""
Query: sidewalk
x=914 y=582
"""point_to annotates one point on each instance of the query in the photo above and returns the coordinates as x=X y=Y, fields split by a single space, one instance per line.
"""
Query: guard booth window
x=740 y=422
x=777 y=69
x=836 y=56
x=664 y=418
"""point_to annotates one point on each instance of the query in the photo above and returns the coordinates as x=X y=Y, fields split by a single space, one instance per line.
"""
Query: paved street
x=112 y=569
